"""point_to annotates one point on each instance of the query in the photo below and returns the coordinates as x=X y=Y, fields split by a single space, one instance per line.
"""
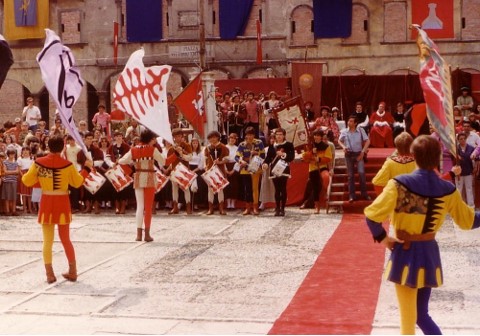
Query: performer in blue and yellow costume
x=417 y=204
x=55 y=174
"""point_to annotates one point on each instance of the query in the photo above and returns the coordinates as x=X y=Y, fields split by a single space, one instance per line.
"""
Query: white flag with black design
x=62 y=80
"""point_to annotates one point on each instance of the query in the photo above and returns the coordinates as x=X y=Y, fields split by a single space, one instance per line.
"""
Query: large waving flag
x=6 y=59
x=190 y=101
x=62 y=80
x=142 y=93
x=437 y=90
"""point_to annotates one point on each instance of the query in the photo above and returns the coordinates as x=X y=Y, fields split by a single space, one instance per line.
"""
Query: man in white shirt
x=32 y=114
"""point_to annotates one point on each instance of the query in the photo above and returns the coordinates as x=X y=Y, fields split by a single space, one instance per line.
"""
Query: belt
x=408 y=238
x=55 y=192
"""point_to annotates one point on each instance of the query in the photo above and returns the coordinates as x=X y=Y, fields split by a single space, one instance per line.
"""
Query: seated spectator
x=399 y=120
x=327 y=124
x=381 y=134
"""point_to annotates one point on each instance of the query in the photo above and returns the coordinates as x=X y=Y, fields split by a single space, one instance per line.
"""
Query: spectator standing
x=25 y=162
x=102 y=118
x=354 y=143
x=252 y=108
x=10 y=181
x=32 y=114
x=464 y=181
x=231 y=191
x=465 y=101
x=216 y=153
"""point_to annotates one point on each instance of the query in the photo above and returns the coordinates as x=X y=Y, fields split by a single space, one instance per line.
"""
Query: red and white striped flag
x=142 y=93
x=437 y=91
x=62 y=80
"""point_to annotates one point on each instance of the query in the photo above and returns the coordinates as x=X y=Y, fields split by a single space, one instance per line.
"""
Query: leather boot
x=96 y=208
x=50 y=275
x=72 y=272
x=139 y=234
x=221 y=208
x=88 y=207
x=117 y=207
x=148 y=238
x=255 y=209
x=188 y=208
x=123 y=205
x=210 y=209
x=248 y=208
x=174 y=209
x=317 y=207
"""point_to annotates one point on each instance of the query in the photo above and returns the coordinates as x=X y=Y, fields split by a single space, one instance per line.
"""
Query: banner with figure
x=290 y=117
x=141 y=92
x=437 y=91
x=62 y=80
x=6 y=59
x=190 y=102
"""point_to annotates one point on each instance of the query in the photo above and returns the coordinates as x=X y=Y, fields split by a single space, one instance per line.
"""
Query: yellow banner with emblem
x=14 y=30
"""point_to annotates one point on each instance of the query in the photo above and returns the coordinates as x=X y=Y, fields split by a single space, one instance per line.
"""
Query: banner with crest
x=290 y=117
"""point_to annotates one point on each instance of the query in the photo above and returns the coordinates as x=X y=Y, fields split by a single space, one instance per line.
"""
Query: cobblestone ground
x=202 y=275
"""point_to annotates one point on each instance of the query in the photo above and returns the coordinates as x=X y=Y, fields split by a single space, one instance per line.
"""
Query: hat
x=177 y=131
x=334 y=108
x=465 y=88
x=17 y=120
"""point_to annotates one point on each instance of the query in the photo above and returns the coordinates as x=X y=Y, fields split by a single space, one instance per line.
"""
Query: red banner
x=307 y=82
x=115 y=42
x=259 y=42
x=190 y=101
x=436 y=18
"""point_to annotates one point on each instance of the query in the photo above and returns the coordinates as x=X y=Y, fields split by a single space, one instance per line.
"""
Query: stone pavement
x=202 y=275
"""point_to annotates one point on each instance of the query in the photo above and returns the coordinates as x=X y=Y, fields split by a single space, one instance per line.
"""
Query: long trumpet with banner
x=183 y=176
x=214 y=179
x=290 y=117
x=119 y=177
x=94 y=181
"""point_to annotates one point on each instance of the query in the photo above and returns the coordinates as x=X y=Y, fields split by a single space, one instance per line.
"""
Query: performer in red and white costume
x=381 y=134
x=143 y=157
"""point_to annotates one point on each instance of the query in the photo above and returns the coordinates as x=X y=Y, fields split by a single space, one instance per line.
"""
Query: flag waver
x=190 y=101
x=437 y=91
x=62 y=80
x=142 y=93
x=6 y=59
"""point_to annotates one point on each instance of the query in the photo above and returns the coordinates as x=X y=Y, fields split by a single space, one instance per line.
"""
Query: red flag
x=259 y=42
x=115 y=42
x=437 y=91
x=190 y=101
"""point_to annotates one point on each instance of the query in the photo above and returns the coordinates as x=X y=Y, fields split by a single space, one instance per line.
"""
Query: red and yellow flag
x=437 y=91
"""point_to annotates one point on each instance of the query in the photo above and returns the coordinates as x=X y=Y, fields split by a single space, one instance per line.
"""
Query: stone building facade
x=380 y=44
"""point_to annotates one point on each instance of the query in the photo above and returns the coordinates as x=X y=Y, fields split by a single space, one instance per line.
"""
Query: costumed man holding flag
x=64 y=83
x=417 y=203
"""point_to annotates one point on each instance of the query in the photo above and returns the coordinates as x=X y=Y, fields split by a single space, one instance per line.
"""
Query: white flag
x=142 y=93
x=62 y=80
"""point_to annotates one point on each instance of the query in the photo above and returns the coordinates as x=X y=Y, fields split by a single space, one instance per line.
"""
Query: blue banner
x=144 y=20
x=25 y=13
x=233 y=17
x=332 y=18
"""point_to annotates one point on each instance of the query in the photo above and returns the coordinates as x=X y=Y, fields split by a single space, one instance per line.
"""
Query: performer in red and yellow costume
x=417 y=204
x=143 y=157
x=55 y=174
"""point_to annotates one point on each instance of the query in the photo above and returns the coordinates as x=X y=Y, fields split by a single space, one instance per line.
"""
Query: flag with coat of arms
x=191 y=103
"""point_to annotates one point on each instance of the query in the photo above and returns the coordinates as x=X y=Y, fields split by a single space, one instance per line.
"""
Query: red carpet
x=340 y=292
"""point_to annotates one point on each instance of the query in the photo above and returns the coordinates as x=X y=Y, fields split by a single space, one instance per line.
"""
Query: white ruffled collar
x=380 y=114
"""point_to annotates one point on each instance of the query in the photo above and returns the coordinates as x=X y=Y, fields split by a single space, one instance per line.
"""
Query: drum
x=94 y=181
x=214 y=179
x=255 y=164
x=279 y=168
x=162 y=180
x=118 y=178
x=183 y=176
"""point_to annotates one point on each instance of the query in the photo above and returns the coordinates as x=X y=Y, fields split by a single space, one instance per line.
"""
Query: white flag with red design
x=190 y=102
x=142 y=93
x=290 y=117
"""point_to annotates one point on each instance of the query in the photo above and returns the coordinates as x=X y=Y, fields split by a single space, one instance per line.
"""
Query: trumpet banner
x=290 y=117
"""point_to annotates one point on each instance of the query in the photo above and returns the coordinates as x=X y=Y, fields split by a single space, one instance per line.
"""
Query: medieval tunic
x=142 y=157
x=54 y=174
x=417 y=204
